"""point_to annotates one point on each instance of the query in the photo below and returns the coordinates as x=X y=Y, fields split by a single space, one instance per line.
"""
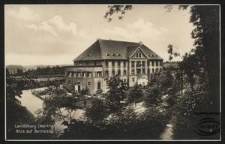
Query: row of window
x=138 y=63
x=88 y=63
x=143 y=71
x=78 y=83
x=84 y=74
x=138 y=55
x=114 y=73
x=107 y=54
x=118 y=63
x=142 y=63
x=99 y=73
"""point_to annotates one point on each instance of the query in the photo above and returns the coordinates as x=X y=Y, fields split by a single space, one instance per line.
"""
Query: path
x=167 y=133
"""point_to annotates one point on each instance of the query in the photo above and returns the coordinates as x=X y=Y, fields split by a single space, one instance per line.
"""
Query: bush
x=124 y=125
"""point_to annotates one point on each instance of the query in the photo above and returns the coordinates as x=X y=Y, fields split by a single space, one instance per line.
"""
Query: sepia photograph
x=109 y=72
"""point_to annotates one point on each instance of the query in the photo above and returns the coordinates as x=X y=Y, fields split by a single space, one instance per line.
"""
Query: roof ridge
x=117 y=40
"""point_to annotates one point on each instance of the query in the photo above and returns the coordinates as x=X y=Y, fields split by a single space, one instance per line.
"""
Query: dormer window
x=107 y=54
x=118 y=54
x=113 y=54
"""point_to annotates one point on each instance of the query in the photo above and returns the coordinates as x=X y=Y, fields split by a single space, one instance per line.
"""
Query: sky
x=57 y=34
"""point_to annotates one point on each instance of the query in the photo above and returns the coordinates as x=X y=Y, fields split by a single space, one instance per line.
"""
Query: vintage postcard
x=109 y=72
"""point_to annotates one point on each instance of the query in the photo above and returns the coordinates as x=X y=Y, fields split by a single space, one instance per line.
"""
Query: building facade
x=133 y=62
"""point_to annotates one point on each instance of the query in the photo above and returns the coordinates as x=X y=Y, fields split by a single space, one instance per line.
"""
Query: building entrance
x=99 y=85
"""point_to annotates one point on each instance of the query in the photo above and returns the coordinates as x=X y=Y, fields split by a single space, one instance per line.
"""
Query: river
x=31 y=102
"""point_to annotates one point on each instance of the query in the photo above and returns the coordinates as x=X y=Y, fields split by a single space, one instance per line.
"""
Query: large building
x=133 y=62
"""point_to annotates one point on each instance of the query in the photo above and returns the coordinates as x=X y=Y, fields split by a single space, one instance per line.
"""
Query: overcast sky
x=56 y=34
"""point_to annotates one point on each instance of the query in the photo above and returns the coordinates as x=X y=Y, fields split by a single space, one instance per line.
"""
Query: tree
x=57 y=102
x=119 y=9
x=154 y=96
x=15 y=112
x=116 y=93
x=135 y=94
x=19 y=72
x=97 y=112
x=206 y=34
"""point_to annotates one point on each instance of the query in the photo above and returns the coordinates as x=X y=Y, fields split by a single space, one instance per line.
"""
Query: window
x=156 y=63
x=106 y=73
x=113 y=72
x=88 y=74
x=132 y=71
x=148 y=63
x=78 y=74
x=95 y=63
x=139 y=54
x=89 y=83
x=152 y=63
x=68 y=81
x=124 y=63
x=124 y=72
x=113 y=63
x=118 y=63
x=132 y=64
x=118 y=72
x=118 y=54
x=138 y=71
x=160 y=63
x=83 y=74
x=143 y=63
x=99 y=74
x=136 y=54
x=125 y=80
x=106 y=63
x=156 y=70
x=148 y=71
x=152 y=70
x=138 y=64
x=143 y=71
x=160 y=69
x=113 y=54
x=74 y=75
x=107 y=54
x=133 y=79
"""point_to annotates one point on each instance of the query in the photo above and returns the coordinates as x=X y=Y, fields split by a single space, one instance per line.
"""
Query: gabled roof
x=111 y=49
